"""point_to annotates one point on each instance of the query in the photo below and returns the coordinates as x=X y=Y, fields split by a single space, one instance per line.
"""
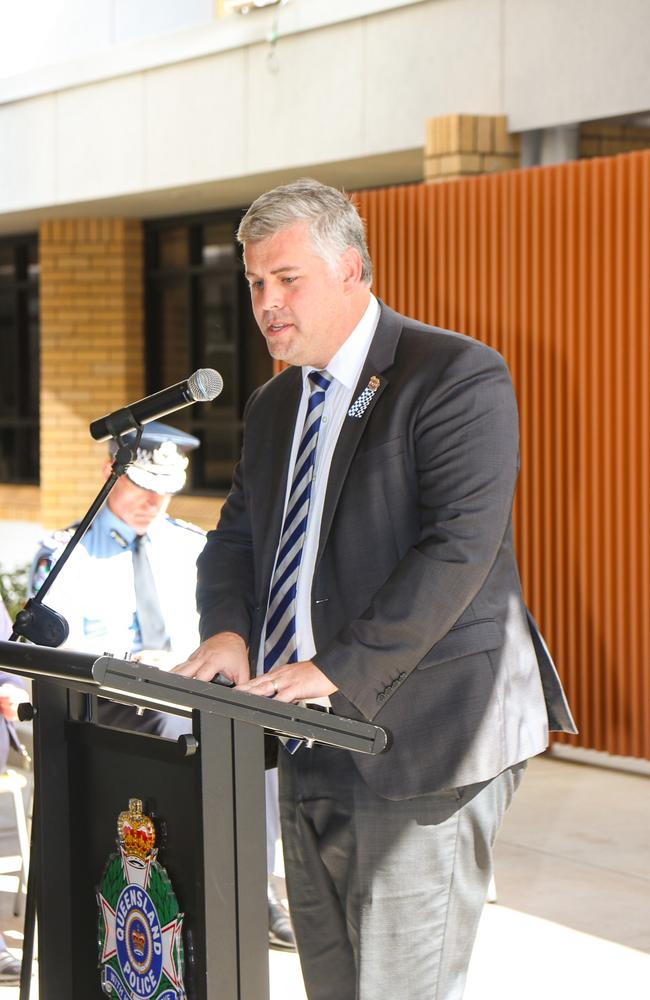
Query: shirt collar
x=110 y=522
x=348 y=361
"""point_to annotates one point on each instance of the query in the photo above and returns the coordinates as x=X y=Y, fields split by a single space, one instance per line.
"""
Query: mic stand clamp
x=37 y=622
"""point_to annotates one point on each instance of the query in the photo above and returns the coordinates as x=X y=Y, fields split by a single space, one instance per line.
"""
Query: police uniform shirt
x=96 y=594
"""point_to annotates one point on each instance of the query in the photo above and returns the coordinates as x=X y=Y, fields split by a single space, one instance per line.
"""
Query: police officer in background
x=128 y=589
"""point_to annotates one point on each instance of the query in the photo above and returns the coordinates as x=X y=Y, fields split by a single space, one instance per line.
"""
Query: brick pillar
x=92 y=350
x=611 y=138
x=463 y=145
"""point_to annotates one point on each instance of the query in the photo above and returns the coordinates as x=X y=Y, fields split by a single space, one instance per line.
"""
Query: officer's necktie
x=153 y=633
x=280 y=644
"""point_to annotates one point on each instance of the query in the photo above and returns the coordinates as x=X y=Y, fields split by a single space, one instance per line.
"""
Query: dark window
x=19 y=360
x=199 y=316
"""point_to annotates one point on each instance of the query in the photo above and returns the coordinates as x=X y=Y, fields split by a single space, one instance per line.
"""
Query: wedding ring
x=275 y=686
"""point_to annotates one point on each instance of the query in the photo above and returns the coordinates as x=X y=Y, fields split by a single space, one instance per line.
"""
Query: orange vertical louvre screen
x=551 y=266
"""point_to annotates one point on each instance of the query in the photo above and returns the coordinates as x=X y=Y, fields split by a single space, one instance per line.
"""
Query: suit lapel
x=276 y=464
x=380 y=357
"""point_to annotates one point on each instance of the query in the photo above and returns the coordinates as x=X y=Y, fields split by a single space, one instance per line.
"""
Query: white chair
x=13 y=782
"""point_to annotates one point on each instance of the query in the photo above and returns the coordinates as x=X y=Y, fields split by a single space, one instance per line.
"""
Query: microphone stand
x=37 y=622
x=46 y=627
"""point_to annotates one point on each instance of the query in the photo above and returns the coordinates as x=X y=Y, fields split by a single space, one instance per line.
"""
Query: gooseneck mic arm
x=38 y=622
x=41 y=624
x=201 y=387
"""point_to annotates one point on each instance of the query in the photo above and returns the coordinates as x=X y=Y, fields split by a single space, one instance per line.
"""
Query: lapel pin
x=362 y=401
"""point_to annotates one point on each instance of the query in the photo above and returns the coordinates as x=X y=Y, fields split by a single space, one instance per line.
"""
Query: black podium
x=205 y=796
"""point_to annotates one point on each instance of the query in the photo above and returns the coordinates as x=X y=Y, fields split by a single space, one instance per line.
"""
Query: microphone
x=204 y=385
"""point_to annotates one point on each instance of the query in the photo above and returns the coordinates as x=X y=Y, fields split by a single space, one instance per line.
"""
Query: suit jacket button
x=381 y=696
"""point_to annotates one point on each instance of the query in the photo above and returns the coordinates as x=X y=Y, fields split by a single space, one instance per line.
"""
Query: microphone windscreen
x=205 y=384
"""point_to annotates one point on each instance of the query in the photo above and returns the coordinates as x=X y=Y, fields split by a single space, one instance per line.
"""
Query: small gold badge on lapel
x=362 y=401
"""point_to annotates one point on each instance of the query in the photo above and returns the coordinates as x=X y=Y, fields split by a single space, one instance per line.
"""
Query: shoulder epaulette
x=42 y=564
x=57 y=539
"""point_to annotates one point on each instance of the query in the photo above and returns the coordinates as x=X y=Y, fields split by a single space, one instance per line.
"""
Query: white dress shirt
x=96 y=590
x=345 y=369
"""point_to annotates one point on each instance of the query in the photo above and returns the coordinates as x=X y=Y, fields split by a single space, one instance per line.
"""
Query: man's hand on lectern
x=224 y=653
x=164 y=659
x=292 y=682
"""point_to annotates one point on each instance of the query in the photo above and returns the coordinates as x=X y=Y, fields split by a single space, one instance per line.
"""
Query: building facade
x=132 y=135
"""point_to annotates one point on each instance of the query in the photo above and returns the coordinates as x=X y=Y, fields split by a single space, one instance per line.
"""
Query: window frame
x=190 y=275
x=24 y=289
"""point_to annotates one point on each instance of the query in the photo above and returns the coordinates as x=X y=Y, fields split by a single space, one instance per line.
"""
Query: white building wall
x=205 y=112
x=575 y=60
x=37 y=34
x=48 y=44
x=358 y=89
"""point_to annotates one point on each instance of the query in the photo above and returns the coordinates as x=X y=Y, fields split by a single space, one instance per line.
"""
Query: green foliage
x=13 y=588
x=162 y=895
x=112 y=881
x=110 y=888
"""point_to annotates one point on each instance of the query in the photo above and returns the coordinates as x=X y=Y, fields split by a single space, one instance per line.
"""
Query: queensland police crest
x=139 y=935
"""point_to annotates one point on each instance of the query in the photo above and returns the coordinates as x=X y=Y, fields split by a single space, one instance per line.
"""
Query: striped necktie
x=280 y=643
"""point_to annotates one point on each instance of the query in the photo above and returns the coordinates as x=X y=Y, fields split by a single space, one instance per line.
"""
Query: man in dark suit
x=364 y=554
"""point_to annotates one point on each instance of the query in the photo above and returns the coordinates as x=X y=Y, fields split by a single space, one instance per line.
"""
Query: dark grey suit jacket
x=417 y=610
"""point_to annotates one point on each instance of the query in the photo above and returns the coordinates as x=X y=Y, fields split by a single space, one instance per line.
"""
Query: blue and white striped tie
x=280 y=644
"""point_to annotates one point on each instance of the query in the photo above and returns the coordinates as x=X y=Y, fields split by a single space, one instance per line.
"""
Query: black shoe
x=280 y=929
x=9 y=968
